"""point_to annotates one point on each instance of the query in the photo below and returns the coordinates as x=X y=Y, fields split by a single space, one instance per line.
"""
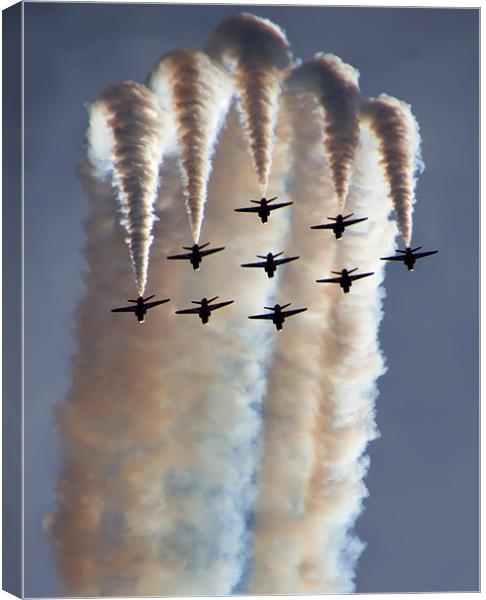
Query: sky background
x=421 y=520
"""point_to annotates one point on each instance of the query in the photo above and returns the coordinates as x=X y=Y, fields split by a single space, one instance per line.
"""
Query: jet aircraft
x=410 y=256
x=340 y=224
x=264 y=207
x=345 y=278
x=270 y=265
x=204 y=309
x=141 y=307
x=278 y=314
x=196 y=254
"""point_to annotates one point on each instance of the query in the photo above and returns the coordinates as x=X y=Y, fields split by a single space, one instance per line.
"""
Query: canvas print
x=250 y=283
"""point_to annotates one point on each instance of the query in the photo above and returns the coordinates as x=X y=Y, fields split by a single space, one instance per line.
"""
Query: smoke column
x=396 y=128
x=335 y=84
x=256 y=51
x=200 y=93
x=322 y=389
x=159 y=461
x=126 y=137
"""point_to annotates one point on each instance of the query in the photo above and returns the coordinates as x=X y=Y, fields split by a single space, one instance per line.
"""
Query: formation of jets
x=269 y=264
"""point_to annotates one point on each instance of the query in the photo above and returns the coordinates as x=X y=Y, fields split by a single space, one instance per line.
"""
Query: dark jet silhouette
x=340 y=224
x=264 y=207
x=345 y=278
x=278 y=314
x=270 y=265
x=141 y=307
x=196 y=254
x=410 y=256
x=204 y=309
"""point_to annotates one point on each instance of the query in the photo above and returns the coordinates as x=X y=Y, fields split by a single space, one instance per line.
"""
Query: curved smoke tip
x=125 y=139
x=396 y=128
x=199 y=93
x=335 y=83
x=257 y=53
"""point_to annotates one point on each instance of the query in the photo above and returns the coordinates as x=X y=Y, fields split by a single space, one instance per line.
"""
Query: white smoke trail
x=335 y=84
x=398 y=131
x=257 y=52
x=200 y=93
x=321 y=397
x=127 y=137
x=159 y=462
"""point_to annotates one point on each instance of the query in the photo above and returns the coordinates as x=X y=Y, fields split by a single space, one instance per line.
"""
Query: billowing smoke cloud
x=394 y=124
x=256 y=51
x=335 y=84
x=200 y=93
x=126 y=137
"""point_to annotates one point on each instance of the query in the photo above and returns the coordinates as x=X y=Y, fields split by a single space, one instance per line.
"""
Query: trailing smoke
x=126 y=138
x=257 y=53
x=398 y=131
x=335 y=84
x=200 y=94
x=321 y=387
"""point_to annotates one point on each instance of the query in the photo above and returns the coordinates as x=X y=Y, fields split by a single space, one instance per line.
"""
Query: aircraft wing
x=401 y=258
x=179 y=257
x=156 y=303
x=326 y=226
x=188 y=311
x=295 y=311
x=255 y=264
x=353 y=221
x=354 y=277
x=210 y=251
x=330 y=280
x=248 y=209
x=125 y=309
x=422 y=254
x=281 y=261
x=219 y=305
x=268 y=316
x=279 y=205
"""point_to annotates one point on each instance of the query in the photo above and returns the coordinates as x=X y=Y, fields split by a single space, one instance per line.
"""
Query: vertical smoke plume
x=126 y=137
x=396 y=128
x=200 y=93
x=322 y=386
x=160 y=429
x=256 y=51
x=335 y=84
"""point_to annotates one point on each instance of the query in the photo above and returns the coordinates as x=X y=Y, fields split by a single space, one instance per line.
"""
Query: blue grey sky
x=420 y=521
